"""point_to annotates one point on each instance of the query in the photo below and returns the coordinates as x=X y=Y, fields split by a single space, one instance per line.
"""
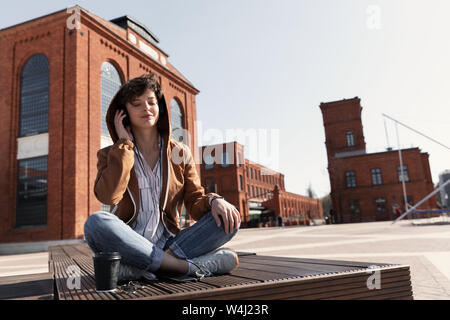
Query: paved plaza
x=425 y=248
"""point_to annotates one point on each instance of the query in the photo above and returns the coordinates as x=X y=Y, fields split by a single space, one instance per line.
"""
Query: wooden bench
x=257 y=277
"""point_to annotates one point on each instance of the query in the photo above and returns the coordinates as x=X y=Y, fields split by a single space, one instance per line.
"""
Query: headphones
x=126 y=120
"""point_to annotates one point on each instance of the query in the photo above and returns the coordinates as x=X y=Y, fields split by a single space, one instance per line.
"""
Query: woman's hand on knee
x=230 y=215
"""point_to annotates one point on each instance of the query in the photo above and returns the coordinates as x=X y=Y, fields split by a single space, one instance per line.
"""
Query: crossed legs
x=106 y=232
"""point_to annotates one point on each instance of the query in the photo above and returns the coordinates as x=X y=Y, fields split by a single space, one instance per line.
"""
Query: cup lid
x=110 y=255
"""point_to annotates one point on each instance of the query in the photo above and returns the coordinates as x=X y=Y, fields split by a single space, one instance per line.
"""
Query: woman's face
x=143 y=110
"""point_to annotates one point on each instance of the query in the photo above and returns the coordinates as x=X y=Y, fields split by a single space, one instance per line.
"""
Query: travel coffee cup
x=106 y=267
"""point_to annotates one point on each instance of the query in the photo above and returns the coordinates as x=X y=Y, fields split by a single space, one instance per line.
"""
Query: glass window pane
x=350 y=139
x=376 y=176
x=350 y=179
x=176 y=120
x=225 y=162
x=32 y=192
x=34 y=96
x=110 y=84
x=405 y=173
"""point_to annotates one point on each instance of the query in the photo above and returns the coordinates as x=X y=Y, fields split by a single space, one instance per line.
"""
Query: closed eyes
x=137 y=105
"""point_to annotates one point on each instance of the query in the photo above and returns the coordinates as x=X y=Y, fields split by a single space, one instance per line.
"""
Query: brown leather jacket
x=116 y=183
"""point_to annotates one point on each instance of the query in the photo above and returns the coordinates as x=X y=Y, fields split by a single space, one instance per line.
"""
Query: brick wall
x=75 y=58
x=259 y=180
x=341 y=116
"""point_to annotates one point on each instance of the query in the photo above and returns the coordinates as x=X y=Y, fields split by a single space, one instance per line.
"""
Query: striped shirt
x=148 y=222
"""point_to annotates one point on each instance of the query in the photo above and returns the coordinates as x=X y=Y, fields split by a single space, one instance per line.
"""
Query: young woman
x=142 y=177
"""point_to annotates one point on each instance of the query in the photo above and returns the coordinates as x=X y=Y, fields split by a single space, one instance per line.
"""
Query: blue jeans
x=105 y=232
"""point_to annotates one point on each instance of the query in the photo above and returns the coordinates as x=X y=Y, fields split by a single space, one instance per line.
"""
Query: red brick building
x=256 y=191
x=367 y=186
x=59 y=73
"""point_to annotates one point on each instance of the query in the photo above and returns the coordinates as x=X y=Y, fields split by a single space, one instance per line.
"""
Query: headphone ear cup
x=126 y=120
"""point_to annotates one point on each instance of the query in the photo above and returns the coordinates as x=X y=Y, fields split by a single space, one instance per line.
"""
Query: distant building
x=368 y=186
x=445 y=193
x=256 y=191
x=57 y=82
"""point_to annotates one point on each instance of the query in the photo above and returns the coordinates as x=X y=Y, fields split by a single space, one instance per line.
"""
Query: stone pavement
x=19 y=264
x=425 y=248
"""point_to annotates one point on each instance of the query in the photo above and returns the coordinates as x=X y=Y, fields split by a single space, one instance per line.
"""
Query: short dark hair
x=137 y=86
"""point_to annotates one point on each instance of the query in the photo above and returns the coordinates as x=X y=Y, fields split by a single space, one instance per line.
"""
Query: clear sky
x=267 y=66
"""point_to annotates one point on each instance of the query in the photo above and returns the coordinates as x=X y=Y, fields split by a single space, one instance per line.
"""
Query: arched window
x=34 y=93
x=350 y=139
x=110 y=84
x=176 y=121
x=31 y=207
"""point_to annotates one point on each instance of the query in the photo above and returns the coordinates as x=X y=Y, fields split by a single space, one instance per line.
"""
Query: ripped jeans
x=105 y=232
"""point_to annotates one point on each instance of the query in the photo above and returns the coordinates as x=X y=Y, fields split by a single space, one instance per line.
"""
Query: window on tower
x=350 y=139
x=376 y=176
x=350 y=179
x=402 y=175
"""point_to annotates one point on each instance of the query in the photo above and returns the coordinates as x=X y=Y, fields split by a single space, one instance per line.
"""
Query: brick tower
x=343 y=127
x=368 y=186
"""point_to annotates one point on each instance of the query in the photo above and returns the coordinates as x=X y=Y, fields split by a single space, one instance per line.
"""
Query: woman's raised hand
x=122 y=132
